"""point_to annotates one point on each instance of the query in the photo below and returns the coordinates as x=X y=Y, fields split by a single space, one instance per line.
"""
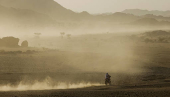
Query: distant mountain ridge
x=140 y=12
x=48 y=15
x=57 y=12
x=151 y=21
x=48 y=7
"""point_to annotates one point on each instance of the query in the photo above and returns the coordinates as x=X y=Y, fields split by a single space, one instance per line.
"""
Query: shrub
x=24 y=44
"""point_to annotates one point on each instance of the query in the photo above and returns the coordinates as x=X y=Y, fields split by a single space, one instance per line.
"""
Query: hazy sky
x=103 y=6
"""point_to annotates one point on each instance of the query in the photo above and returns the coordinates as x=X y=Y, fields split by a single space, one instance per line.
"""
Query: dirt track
x=159 y=90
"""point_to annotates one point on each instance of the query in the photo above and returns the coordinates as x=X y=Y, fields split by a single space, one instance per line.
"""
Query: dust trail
x=45 y=85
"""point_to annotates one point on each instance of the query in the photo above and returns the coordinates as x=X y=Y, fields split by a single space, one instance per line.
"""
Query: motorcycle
x=108 y=81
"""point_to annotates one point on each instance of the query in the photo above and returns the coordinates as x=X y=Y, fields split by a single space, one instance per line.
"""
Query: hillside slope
x=140 y=12
x=49 y=7
x=23 y=16
x=49 y=16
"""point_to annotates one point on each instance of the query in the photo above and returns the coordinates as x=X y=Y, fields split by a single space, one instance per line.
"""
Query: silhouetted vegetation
x=24 y=44
x=37 y=35
x=12 y=42
x=18 y=52
x=62 y=34
x=9 y=42
x=158 y=36
x=157 y=33
x=68 y=36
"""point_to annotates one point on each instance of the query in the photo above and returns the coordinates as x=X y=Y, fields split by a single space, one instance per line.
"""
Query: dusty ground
x=158 y=90
x=138 y=69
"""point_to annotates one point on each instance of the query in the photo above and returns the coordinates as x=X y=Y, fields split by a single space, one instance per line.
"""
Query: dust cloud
x=46 y=84
x=78 y=48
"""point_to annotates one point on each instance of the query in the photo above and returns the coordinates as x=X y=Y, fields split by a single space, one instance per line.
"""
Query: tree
x=24 y=44
x=9 y=42
x=37 y=35
x=62 y=34
x=68 y=36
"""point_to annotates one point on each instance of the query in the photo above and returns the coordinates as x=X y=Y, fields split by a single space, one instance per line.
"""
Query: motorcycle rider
x=107 y=79
x=107 y=76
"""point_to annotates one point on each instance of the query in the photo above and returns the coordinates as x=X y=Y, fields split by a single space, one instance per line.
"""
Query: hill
x=59 y=13
x=41 y=16
x=157 y=36
x=140 y=12
x=159 y=18
x=157 y=33
x=23 y=20
x=48 y=7
x=151 y=22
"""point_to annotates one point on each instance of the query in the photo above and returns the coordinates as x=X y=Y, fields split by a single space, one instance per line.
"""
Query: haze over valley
x=54 y=50
x=42 y=16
